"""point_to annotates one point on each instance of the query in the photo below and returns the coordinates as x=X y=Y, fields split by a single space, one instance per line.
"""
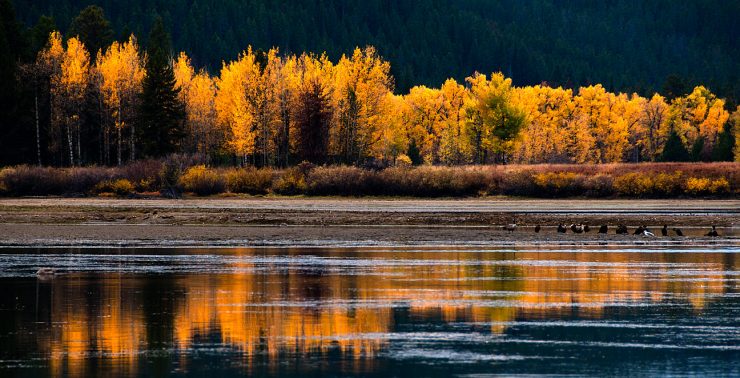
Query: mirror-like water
x=617 y=310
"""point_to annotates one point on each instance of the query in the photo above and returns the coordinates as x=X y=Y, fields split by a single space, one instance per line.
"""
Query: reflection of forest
x=271 y=310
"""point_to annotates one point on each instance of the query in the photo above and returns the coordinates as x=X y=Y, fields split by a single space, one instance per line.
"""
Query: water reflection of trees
x=265 y=311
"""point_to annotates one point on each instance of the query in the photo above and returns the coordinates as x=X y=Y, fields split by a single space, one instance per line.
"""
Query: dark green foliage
x=15 y=139
x=40 y=33
x=413 y=153
x=625 y=44
x=312 y=121
x=697 y=148
x=674 y=149
x=725 y=144
x=162 y=114
x=675 y=86
x=93 y=29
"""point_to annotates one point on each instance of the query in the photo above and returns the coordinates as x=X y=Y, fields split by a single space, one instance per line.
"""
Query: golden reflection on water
x=271 y=310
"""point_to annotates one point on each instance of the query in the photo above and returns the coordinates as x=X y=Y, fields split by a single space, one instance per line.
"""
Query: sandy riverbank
x=332 y=221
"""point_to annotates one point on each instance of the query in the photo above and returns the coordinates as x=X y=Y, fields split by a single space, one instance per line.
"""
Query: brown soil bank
x=330 y=221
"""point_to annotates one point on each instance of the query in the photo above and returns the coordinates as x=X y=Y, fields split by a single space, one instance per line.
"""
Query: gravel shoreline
x=84 y=222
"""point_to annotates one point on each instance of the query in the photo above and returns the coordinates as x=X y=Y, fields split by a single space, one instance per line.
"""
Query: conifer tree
x=162 y=114
x=674 y=149
x=92 y=28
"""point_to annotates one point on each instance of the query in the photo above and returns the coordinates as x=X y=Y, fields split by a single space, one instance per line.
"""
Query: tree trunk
x=69 y=143
x=119 y=145
x=38 y=129
x=133 y=151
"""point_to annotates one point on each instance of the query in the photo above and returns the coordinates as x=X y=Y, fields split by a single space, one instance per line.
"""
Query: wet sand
x=340 y=221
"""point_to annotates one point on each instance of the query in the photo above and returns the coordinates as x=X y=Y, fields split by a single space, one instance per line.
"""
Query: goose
x=510 y=227
x=603 y=229
x=678 y=231
x=561 y=228
x=713 y=232
x=664 y=230
x=639 y=231
x=622 y=230
x=537 y=228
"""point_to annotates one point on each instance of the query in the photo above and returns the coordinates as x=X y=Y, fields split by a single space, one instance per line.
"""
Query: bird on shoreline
x=537 y=228
x=622 y=230
x=561 y=228
x=647 y=233
x=603 y=229
x=510 y=227
x=639 y=230
x=586 y=228
x=664 y=230
x=713 y=232
x=576 y=228
x=678 y=231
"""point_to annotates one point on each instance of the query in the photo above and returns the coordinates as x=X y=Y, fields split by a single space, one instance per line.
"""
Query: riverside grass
x=645 y=180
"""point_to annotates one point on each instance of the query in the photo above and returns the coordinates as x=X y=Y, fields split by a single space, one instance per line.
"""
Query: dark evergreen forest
x=627 y=45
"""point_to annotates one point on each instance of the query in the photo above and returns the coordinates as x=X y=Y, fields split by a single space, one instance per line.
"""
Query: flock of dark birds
x=604 y=229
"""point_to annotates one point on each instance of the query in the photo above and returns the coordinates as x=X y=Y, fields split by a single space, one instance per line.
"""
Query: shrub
x=598 y=186
x=559 y=183
x=428 y=181
x=24 y=180
x=249 y=180
x=341 y=180
x=704 y=186
x=202 y=181
x=517 y=183
x=3 y=188
x=121 y=187
x=84 y=180
x=720 y=186
x=403 y=160
x=667 y=184
x=292 y=182
x=145 y=174
x=633 y=185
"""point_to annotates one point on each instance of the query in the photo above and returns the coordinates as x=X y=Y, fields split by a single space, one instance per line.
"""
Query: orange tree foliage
x=271 y=109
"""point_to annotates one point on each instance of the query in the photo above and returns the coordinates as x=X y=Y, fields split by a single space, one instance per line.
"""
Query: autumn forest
x=98 y=103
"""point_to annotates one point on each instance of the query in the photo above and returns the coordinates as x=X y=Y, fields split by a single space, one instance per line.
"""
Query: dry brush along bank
x=174 y=177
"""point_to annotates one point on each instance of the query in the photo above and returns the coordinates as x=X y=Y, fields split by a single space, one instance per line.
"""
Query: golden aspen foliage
x=454 y=144
x=697 y=118
x=121 y=72
x=423 y=118
x=73 y=83
x=233 y=108
x=394 y=139
x=197 y=92
x=361 y=85
x=653 y=126
x=608 y=130
x=544 y=137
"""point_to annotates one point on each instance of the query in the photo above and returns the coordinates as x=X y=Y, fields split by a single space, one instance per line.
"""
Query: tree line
x=627 y=45
x=123 y=102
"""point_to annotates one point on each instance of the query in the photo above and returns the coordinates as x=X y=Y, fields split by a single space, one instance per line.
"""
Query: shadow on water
x=614 y=310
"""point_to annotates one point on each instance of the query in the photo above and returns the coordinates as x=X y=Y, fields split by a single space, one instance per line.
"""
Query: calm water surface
x=616 y=310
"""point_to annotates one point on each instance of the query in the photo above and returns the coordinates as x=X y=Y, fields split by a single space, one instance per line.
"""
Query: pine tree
x=93 y=29
x=162 y=114
x=674 y=149
x=725 y=143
